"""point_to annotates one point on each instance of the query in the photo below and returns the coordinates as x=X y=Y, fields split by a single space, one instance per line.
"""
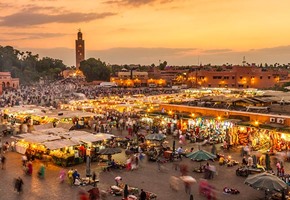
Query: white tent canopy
x=41 y=138
x=58 y=144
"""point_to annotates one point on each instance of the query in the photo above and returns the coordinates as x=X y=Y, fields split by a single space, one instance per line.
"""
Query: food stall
x=63 y=151
x=32 y=144
x=90 y=143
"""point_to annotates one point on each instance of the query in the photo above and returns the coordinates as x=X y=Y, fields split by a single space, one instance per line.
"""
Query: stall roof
x=43 y=126
x=58 y=144
x=104 y=136
x=24 y=135
x=41 y=138
x=88 y=138
x=73 y=133
x=66 y=126
x=61 y=114
x=54 y=131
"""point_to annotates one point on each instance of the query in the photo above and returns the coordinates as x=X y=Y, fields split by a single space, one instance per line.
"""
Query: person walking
x=41 y=171
x=62 y=175
x=18 y=184
x=118 y=180
x=29 y=168
x=94 y=177
x=3 y=161
x=94 y=193
x=70 y=176
x=143 y=195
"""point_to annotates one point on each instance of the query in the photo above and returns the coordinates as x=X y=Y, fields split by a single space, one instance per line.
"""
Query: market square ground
x=147 y=177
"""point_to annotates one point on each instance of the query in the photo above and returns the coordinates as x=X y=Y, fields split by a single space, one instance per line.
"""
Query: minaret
x=80 y=49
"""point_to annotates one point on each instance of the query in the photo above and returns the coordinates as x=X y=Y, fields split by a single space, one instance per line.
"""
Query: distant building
x=236 y=77
x=166 y=76
x=130 y=78
x=8 y=82
x=80 y=49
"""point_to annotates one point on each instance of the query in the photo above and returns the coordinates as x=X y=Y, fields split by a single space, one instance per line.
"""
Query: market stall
x=63 y=151
x=32 y=145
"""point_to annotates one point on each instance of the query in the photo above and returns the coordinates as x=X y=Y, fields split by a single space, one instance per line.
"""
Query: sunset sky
x=182 y=32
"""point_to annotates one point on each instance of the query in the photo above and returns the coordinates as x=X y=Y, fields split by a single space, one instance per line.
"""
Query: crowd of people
x=52 y=94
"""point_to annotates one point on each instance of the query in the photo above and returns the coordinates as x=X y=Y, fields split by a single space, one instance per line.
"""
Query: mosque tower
x=80 y=50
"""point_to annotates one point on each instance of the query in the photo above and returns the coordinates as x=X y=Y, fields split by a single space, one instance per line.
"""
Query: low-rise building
x=236 y=77
x=7 y=81
x=131 y=78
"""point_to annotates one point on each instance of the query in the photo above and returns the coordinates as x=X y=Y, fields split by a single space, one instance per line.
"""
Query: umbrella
x=109 y=151
x=188 y=179
x=266 y=181
x=156 y=136
x=201 y=155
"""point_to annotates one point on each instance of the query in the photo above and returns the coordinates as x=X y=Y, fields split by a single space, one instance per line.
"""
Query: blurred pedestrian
x=94 y=193
x=83 y=195
x=3 y=161
x=118 y=180
x=29 y=168
x=278 y=166
x=70 y=176
x=18 y=185
x=143 y=195
x=62 y=175
x=187 y=187
x=94 y=177
x=126 y=192
x=41 y=171
x=174 y=183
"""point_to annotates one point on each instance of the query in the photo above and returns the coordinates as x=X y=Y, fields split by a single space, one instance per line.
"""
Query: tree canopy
x=27 y=66
x=95 y=69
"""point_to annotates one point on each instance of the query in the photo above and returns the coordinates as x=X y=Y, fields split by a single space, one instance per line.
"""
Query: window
x=241 y=77
x=261 y=77
x=269 y=77
x=209 y=85
x=233 y=77
x=233 y=85
x=240 y=86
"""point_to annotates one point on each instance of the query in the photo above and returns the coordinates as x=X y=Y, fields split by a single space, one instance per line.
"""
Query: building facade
x=131 y=78
x=80 y=49
x=167 y=76
x=8 y=82
x=236 y=77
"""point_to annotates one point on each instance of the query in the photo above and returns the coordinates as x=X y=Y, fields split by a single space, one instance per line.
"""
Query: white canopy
x=41 y=138
x=58 y=144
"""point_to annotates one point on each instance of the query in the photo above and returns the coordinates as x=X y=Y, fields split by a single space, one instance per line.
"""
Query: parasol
x=201 y=155
x=267 y=182
x=188 y=179
x=109 y=151
x=156 y=136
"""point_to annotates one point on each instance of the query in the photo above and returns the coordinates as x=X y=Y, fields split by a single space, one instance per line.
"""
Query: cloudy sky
x=182 y=32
